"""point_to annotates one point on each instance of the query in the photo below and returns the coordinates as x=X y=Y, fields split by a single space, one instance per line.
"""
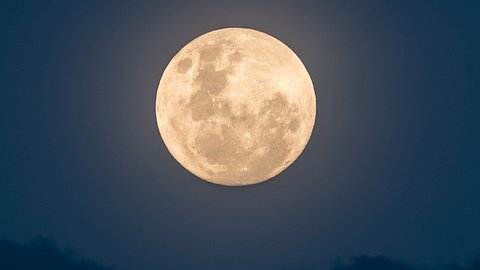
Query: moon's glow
x=235 y=106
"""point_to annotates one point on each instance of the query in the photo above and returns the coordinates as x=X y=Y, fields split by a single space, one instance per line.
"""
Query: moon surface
x=235 y=107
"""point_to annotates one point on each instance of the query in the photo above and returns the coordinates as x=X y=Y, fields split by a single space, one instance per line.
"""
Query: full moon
x=235 y=107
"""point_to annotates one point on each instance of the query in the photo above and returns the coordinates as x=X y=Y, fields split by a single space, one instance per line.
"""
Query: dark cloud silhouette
x=42 y=253
x=372 y=263
x=385 y=263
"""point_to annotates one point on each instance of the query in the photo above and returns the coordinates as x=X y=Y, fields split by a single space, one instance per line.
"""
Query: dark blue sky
x=392 y=168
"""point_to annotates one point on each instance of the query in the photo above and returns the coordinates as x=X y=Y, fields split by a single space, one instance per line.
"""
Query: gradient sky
x=392 y=167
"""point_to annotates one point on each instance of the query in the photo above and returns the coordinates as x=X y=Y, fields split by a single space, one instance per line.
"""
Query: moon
x=235 y=107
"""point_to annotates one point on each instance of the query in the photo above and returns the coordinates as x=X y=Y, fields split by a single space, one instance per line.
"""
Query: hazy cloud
x=40 y=254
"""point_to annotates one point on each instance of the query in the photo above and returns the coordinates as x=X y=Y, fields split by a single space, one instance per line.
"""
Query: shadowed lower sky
x=392 y=167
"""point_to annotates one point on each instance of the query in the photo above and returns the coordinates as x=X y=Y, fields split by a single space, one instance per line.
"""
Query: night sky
x=392 y=168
